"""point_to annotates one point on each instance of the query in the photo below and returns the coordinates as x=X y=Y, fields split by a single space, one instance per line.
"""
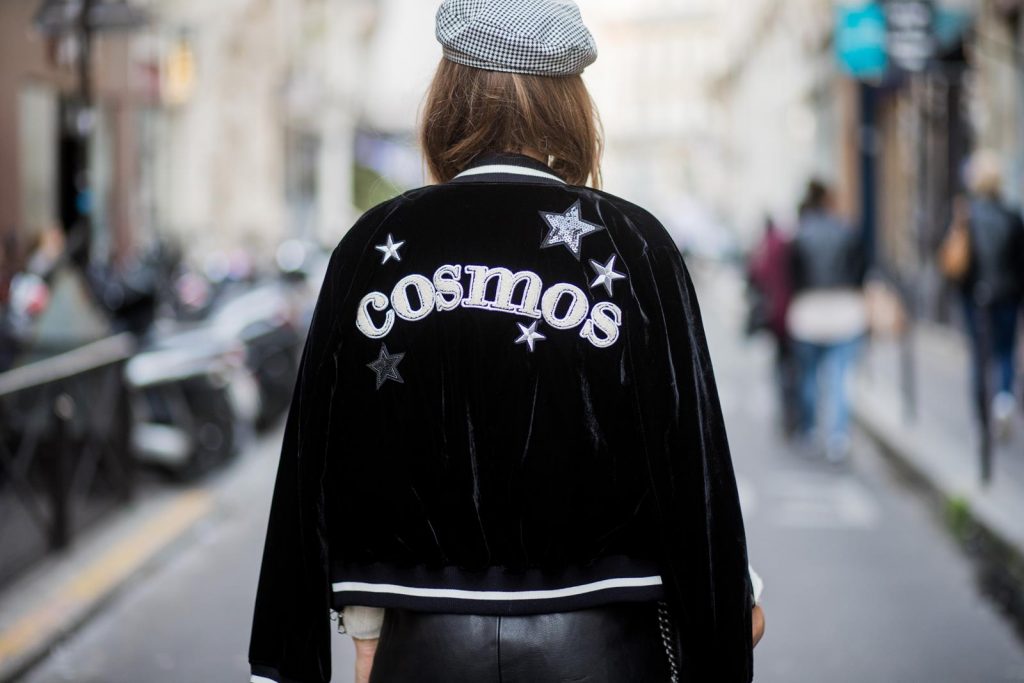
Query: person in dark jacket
x=827 y=318
x=505 y=457
x=994 y=284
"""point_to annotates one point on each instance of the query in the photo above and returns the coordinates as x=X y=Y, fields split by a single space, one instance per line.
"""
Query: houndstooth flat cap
x=539 y=37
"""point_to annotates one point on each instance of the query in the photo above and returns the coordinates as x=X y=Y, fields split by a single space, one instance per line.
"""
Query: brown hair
x=471 y=111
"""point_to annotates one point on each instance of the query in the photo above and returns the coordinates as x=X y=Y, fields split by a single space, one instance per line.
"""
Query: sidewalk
x=940 y=445
x=55 y=599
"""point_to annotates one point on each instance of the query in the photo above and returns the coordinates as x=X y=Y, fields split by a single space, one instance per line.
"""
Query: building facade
x=784 y=114
x=40 y=123
x=215 y=125
x=255 y=143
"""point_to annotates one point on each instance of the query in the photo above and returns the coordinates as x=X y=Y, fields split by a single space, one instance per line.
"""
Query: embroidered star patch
x=530 y=335
x=386 y=366
x=390 y=250
x=606 y=274
x=568 y=228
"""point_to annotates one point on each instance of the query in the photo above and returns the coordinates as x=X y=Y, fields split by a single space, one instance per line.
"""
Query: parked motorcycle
x=202 y=389
x=264 y=321
x=194 y=401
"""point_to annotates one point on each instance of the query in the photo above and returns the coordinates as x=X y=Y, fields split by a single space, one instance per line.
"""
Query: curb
x=980 y=519
x=36 y=630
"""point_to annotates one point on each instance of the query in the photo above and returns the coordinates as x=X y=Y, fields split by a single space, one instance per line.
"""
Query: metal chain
x=665 y=624
x=337 y=616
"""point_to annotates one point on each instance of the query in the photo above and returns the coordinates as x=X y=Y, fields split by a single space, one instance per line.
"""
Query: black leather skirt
x=616 y=643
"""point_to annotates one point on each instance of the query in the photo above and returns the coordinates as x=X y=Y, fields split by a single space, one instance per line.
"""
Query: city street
x=861 y=581
x=175 y=177
x=862 y=584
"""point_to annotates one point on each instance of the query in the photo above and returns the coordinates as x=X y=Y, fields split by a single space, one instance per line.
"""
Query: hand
x=758 y=624
x=365 y=651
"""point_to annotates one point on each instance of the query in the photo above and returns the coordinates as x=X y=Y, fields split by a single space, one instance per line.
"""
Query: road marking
x=103 y=575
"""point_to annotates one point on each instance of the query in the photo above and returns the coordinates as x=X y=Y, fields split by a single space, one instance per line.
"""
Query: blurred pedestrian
x=827 y=318
x=769 y=277
x=991 y=284
x=505 y=430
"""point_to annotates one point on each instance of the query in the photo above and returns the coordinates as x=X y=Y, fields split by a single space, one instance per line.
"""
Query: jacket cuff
x=268 y=674
x=264 y=674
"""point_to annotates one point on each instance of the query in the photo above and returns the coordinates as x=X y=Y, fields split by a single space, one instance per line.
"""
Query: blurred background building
x=243 y=122
x=215 y=123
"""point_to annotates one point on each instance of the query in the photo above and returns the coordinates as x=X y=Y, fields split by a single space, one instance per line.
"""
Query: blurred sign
x=950 y=26
x=911 y=33
x=861 y=40
x=179 y=73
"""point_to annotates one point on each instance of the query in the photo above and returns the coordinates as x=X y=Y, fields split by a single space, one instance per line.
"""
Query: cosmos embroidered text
x=562 y=306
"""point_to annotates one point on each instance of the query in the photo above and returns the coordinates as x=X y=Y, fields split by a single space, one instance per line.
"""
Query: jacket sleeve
x=704 y=555
x=290 y=640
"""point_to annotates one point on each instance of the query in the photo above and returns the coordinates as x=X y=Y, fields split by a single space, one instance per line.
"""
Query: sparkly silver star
x=386 y=366
x=568 y=229
x=390 y=250
x=529 y=335
x=606 y=274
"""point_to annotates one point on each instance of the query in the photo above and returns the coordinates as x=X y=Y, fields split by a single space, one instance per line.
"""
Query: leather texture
x=616 y=643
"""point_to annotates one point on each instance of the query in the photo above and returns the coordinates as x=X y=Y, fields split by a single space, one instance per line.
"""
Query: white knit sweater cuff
x=757 y=583
x=362 y=622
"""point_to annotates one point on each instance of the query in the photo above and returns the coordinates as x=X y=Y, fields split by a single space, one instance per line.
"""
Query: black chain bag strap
x=668 y=639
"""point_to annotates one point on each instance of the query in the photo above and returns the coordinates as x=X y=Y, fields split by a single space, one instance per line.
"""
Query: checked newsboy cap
x=538 y=37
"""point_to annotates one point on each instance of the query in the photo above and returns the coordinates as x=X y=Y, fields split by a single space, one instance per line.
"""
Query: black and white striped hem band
x=497 y=590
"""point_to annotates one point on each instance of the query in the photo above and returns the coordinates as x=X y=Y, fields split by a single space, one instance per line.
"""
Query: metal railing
x=65 y=460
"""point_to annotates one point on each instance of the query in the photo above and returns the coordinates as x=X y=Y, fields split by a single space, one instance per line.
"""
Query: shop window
x=37 y=158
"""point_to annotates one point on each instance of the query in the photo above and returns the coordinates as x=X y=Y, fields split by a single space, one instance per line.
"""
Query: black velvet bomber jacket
x=512 y=374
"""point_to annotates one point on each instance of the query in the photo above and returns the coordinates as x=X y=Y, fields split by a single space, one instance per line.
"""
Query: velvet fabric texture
x=549 y=426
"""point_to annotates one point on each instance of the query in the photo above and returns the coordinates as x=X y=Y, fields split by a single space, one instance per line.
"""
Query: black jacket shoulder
x=427 y=198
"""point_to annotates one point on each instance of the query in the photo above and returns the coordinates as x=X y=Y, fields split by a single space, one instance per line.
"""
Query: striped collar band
x=505 y=168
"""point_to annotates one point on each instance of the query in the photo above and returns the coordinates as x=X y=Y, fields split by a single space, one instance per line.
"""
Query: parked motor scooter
x=263 y=321
x=194 y=400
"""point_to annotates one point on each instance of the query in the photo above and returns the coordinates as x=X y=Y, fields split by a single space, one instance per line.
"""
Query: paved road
x=862 y=584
